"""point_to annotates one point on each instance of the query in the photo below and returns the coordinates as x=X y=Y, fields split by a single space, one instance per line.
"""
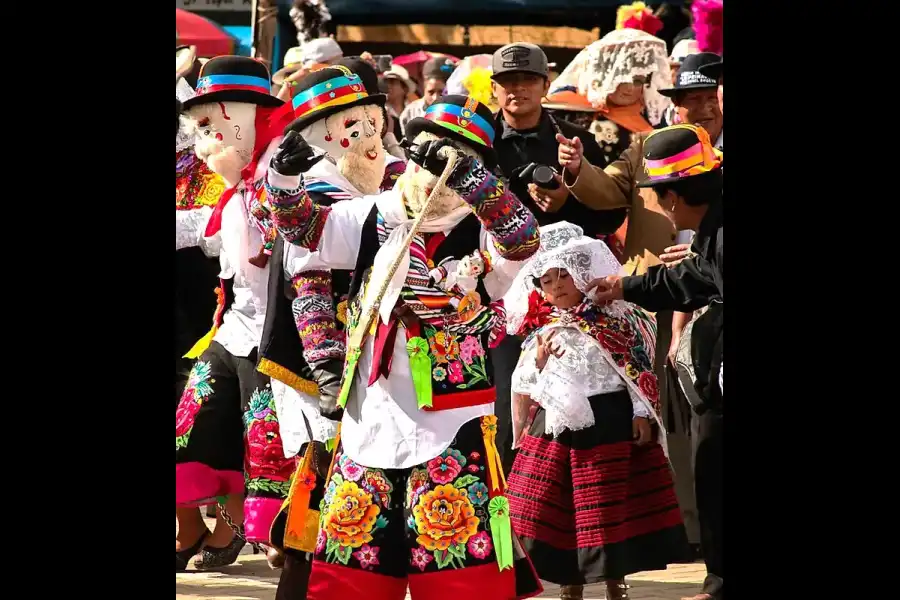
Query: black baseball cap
x=691 y=75
x=520 y=57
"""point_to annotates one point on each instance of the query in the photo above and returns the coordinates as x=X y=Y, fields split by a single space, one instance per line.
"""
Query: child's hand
x=546 y=347
x=640 y=426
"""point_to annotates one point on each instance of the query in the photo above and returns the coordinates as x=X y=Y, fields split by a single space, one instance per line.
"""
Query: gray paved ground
x=251 y=579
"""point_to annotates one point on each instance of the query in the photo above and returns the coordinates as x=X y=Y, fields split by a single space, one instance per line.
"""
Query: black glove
x=327 y=375
x=294 y=155
x=427 y=156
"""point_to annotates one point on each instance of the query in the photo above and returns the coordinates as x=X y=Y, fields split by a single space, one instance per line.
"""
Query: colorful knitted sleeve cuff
x=314 y=317
x=298 y=219
x=511 y=225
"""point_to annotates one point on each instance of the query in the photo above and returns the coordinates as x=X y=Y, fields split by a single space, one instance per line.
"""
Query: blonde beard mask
x=225 y=133
x=352 y=138
x=416 y=184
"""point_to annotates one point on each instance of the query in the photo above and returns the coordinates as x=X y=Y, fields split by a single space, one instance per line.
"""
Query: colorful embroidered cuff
x=512 y=226
x=314 y=316
x=298 y=219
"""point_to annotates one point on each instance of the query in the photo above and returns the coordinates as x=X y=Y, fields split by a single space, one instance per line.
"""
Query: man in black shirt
x=686 y=173
x=525 y=134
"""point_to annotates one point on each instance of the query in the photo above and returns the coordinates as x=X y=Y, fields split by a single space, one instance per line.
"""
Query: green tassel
x=221 y=499
x=349 y=374
x=329 y=445
x=420 y=366
x=501 y=531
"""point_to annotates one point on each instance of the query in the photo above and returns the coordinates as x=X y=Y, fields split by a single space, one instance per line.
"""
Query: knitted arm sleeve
x=296 y=217
x=511 y=225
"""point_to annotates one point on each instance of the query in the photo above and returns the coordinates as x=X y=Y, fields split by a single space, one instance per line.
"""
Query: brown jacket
x=649 y=230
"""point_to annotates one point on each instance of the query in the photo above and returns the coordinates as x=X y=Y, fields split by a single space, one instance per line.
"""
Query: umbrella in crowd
x=419 y=57
x=209 y=39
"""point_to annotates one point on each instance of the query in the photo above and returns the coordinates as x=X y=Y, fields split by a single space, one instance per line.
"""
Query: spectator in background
x=525 y=134
x=651 y=237
x=398 y=87
x=716 y=71
x=435 y=73
x=300 y=60
x=686 y=174
x=682 y=50
x=695 y=96
x=391 y=135
x=629 y=67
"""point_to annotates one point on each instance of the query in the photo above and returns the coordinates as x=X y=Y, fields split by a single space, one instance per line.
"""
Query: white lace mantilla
x=619 y=57
x=563 y=246
x=565 y=385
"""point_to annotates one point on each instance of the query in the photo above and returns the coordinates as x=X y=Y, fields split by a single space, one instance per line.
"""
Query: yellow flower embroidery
x=351 y=516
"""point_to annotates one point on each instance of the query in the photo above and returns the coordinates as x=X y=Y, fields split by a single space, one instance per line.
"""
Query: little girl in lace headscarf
x=590 y=491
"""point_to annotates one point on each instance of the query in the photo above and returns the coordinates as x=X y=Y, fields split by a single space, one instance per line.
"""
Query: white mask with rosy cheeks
x=352 y=138
x=225 y=133
x=416 y=184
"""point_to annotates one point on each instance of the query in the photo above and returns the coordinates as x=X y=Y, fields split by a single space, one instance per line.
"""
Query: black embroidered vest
x=462 y=371
x=281 y=350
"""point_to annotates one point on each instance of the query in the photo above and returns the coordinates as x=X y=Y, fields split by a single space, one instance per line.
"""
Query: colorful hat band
x=693 y=161
x=463 y=120
x=221 y=83
x=333 y=92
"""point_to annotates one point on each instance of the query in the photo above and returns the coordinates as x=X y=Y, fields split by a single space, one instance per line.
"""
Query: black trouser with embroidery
x=708 y=447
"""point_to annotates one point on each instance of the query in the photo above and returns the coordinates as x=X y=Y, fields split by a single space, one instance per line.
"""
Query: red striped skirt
x=590 y=505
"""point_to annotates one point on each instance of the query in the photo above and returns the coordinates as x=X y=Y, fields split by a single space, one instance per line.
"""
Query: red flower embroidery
x=266 y=453
x=456 y=371
x=614 y=341
x=444 y=469
x=184 y=416
x=649 y=386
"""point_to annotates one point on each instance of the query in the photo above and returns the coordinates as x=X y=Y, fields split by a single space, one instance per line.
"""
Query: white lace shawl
x=564 y=387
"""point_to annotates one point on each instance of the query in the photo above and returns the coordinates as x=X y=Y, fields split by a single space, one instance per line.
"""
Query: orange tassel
x=296 y=528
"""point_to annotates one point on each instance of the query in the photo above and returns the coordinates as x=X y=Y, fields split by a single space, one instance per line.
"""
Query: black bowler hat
x=348 y=83
x=234 y=79
x=461 y=118
x=690 y=75
x=678 y=152
x=713 y=70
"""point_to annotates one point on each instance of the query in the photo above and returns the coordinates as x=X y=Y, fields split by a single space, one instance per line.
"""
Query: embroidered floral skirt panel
x=590 y=505
x=426 y=527
x=227 y=438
